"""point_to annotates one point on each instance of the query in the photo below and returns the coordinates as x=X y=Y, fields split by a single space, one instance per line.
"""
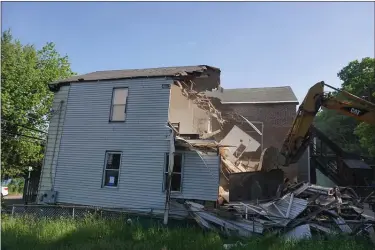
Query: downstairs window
x=111 y=169
x=176 y=184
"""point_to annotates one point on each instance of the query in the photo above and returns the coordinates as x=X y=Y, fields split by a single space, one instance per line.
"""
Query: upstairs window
x=118 y=108
x=111 y=169
x=176 y=183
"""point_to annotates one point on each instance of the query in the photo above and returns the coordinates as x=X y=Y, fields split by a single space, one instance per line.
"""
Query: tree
x=358 y=78
x=26 y=101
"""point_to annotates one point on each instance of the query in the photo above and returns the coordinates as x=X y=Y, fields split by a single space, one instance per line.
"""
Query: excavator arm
x=298 y=137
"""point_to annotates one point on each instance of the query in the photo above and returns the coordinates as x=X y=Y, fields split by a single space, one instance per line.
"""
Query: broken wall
x=233 y=127
x=191 y=119
x=277 y=120
x=183 y=107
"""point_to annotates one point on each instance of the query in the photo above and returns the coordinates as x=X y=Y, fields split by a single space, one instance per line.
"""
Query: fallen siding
x=53 y=141
x=243 y=227
x=142 y=138
x=284 y=210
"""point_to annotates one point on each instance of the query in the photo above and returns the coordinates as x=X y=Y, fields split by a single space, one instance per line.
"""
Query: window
x=239 y=151
x=111 y=169
x=118 y=108
x=176 y=174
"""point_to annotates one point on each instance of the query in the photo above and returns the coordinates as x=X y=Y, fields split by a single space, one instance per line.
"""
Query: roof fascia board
x=55 y=86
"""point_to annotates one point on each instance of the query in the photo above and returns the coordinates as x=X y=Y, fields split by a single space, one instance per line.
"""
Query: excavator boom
x=297 y=138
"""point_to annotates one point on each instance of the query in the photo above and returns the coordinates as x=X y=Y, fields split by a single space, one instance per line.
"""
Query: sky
x=255 y=44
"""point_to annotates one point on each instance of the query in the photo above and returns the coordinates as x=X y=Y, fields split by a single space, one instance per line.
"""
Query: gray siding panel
x=53 y=140
x=200 y=181
x=142 y=138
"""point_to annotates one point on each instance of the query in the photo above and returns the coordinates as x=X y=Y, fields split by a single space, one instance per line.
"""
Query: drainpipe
x=170 y=171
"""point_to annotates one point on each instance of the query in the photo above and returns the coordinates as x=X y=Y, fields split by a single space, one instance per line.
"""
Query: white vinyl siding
x=142 y=139
x=200 y=178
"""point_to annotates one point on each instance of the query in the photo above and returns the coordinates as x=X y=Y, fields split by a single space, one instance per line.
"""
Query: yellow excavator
x=298 y=136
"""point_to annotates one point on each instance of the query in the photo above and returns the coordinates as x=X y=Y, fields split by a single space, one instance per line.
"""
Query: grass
x=90 y=233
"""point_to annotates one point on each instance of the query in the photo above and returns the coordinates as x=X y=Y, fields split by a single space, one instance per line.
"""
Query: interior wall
x=192 y=119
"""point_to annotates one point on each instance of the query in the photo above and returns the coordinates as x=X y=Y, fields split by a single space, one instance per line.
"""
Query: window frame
x=112 y=104
x=181 y=173
x=105 y=169
x=237 y=149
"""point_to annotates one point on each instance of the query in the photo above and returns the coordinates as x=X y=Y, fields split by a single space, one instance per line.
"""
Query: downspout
x=170 y=171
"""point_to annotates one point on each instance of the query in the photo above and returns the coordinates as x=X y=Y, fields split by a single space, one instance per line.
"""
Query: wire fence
x=152 y=217
x=75 y=212
x=40 y=211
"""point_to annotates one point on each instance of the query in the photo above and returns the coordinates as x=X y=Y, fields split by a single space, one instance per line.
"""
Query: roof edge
x=54 y=86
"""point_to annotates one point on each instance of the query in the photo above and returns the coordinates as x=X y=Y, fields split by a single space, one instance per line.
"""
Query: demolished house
x=112 y=133
x=299 y=211
x=113 y=141
x=170 y=141
x=257 y=121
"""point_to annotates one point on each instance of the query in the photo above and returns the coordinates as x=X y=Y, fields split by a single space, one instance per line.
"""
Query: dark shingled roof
x=138 y=73
x=256 y=95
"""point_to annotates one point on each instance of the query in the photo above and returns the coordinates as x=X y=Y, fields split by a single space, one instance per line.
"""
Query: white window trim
x=105 y=169
x=112 y=104
x=182 y=172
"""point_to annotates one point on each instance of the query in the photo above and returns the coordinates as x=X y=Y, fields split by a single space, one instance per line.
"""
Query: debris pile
x=301 y=211
x=254 y=173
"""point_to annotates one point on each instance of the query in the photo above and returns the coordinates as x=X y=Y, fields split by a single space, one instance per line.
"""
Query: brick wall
x=277 y=120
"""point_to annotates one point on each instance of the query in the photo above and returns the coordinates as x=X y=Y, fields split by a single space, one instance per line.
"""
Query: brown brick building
x=270 y=109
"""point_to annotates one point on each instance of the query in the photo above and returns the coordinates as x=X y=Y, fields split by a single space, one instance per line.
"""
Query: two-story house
x=109 y=139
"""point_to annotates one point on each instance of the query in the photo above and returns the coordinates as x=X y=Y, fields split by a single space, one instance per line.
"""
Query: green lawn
x=90 y=233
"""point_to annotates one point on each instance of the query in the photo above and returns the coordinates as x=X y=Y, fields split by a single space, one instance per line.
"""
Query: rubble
x=301 y=211
x=296 y=211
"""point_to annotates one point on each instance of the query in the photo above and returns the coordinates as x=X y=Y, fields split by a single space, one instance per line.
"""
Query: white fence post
x=73 y=212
